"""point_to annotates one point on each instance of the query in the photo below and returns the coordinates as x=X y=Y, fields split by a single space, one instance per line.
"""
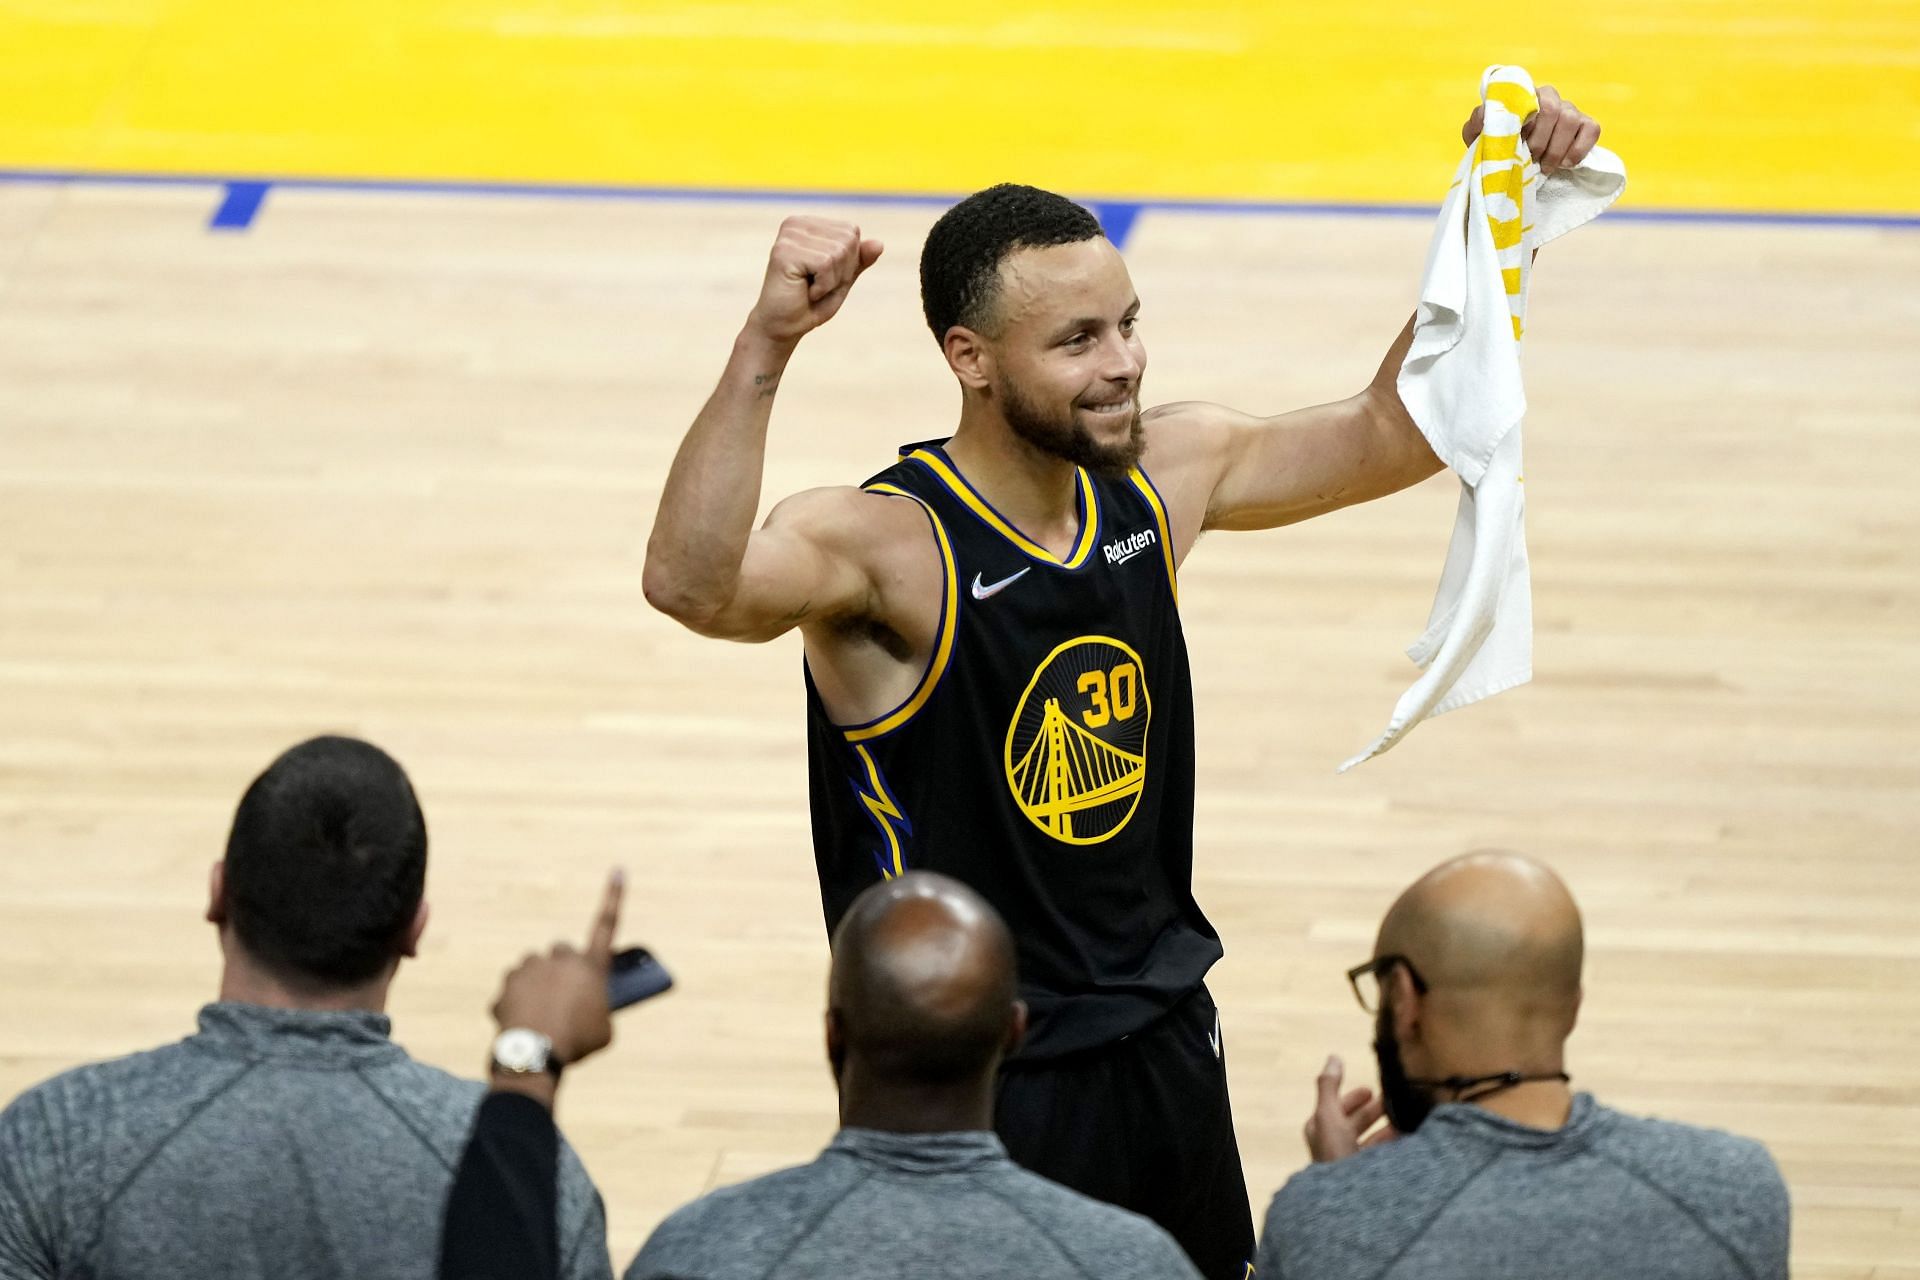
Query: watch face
x=522 y=1050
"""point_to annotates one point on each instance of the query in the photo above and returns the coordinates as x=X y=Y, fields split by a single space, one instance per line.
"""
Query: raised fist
x=813 y=264
x=1559 y=135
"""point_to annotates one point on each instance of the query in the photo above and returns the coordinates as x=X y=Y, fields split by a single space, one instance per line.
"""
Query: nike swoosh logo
x=981 y=592
x=1214 y=1039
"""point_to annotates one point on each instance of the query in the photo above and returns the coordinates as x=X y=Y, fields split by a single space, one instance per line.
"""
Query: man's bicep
x=1221 y=468
x=1280 y=470
x=801 y=566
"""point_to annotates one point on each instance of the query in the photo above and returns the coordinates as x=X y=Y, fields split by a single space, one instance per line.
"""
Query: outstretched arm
x=1233 y=470
x=706 y=566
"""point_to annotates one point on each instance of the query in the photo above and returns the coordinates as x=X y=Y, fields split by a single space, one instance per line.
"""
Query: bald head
x=1495 y=929
x=923 y=989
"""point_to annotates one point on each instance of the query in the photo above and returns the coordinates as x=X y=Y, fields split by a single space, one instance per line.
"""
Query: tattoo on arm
x=767 y=383
x=797 y=615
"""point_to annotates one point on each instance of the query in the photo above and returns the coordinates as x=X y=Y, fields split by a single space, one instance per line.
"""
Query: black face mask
x=1408 y=1104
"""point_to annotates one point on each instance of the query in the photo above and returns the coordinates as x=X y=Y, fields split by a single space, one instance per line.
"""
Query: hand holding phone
x=635 y=976
x=567 y=995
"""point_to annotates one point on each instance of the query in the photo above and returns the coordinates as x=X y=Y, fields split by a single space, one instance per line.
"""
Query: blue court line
x=1116 y=219
x=238 y=207
x=590 y=191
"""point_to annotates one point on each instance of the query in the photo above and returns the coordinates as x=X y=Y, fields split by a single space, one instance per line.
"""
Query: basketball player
x=997 y=685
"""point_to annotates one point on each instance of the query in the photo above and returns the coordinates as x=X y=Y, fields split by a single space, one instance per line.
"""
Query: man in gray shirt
x=290 y=1137
x=921 y=1008
x=1489 y=1167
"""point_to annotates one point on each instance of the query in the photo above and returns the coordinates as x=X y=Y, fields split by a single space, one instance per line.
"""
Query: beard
x=1067 y=438
x=1408 y=1104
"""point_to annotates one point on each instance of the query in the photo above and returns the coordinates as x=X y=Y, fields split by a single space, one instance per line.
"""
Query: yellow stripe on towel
x=1513 y=97
x=1493 y=147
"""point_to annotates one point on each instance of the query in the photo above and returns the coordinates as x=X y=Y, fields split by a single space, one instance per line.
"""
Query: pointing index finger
x=607 y=921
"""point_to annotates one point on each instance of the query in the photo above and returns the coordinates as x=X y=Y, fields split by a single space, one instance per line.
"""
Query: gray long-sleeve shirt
x=273 y=1143
x=1475 y=1196
x=877 y=1206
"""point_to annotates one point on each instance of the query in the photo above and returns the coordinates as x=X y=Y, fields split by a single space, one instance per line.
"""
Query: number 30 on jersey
x=1077 y=747
x=1110 y=694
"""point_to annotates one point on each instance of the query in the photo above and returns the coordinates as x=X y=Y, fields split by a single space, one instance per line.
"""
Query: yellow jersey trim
x=1089 y=517
x=942 y=650
x=1152 y=495
x=883 y=807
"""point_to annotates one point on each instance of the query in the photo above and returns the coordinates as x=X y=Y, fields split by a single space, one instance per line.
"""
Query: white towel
x=1461 y=383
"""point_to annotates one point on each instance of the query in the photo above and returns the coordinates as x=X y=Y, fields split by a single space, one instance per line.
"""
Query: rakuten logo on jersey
x=1121 y=550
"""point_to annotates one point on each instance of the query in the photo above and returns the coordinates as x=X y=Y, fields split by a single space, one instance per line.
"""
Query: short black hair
x=960 y=266
x=326 y=863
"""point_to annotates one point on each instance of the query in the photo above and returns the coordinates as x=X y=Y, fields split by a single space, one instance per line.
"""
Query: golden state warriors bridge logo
x=1077 y=747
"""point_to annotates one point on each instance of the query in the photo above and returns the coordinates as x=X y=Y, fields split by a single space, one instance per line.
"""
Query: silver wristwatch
x=520 y=1052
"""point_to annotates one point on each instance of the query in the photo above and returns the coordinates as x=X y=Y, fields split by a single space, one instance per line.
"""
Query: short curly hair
x=960 y=266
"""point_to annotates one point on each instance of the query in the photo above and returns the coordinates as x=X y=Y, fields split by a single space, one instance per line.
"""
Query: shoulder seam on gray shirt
x=106 y=1204
x=825 y=1213
x=360 y=1074
x=1435 y=1216
x=580 y=1233
x=1044 y=1233
x=1682 y=1206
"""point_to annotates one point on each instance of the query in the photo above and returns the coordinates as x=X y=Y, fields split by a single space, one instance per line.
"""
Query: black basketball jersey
x=1045 y=758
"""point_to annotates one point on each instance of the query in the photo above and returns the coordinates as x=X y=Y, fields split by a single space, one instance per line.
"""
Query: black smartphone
x=635 y=976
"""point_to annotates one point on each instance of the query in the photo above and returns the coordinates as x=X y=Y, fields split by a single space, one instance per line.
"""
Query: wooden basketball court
x=385 y=463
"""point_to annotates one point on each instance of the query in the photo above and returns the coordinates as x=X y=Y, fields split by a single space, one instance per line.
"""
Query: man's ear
x=1016 y=1027
x=836 y=1043
x=410 y=946
x=1406 y=1006
x=969 y=356
x=217 y=894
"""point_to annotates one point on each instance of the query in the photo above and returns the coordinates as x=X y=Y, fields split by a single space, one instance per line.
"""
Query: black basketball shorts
x=1143 y=1123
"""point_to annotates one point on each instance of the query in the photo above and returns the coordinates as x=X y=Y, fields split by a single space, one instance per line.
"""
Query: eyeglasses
x=1369 y=980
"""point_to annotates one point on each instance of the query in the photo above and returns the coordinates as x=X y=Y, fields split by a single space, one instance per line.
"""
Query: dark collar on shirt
x=1490 y=1126
x=345 y=1039
x=922 y=1152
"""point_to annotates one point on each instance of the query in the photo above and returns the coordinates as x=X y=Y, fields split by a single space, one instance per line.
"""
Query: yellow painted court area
x=1788 y=105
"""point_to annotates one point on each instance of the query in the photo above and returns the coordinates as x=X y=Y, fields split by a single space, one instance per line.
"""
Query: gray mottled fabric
x=274 y=1142
x=878 y=1206
x=1474 y=1196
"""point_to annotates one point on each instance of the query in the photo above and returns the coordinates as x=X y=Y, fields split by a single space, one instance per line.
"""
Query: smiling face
x=1065 y=356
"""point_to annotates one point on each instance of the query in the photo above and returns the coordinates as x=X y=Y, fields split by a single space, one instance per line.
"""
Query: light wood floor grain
x=386 y=465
